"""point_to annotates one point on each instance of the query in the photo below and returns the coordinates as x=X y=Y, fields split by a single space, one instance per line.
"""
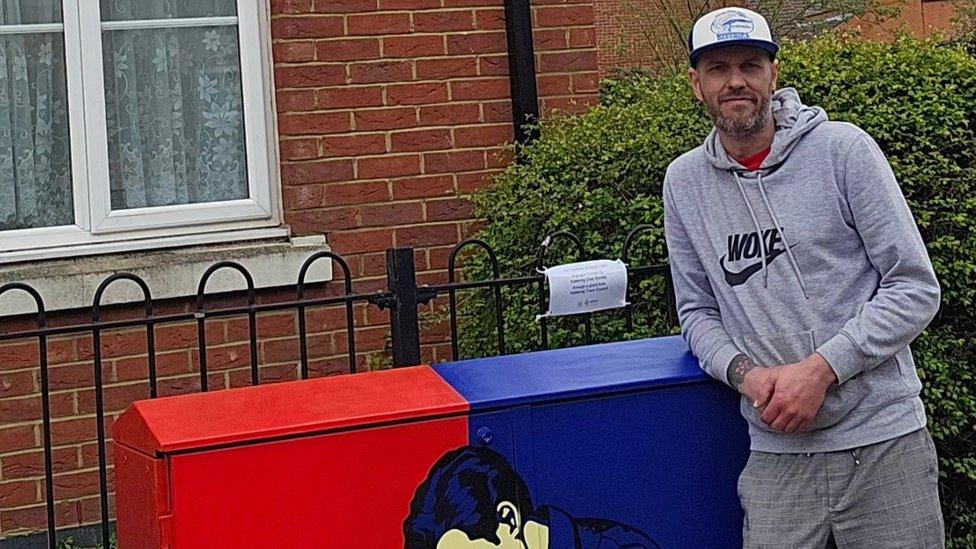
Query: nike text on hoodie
x=815 y=251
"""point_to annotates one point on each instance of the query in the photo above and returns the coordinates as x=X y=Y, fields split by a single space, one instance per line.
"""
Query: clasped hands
x=789 y=396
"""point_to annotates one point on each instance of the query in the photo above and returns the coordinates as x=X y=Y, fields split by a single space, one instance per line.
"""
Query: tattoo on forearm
x=738 y=369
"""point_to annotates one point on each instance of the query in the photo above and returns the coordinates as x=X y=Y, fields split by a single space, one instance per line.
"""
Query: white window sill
x=70 y=283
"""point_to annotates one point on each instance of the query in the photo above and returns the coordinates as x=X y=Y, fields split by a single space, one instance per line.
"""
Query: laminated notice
x=586 y=287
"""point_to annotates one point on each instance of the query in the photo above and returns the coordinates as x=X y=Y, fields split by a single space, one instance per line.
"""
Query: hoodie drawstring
x=759 y=233
x=755 y=221
x=789 y=252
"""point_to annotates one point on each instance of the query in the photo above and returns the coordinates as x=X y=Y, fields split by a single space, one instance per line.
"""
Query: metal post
x=404 y=321
x=521 y=68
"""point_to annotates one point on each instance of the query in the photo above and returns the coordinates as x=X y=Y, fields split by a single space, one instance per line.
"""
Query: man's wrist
x=737 y=370
x=825 y=374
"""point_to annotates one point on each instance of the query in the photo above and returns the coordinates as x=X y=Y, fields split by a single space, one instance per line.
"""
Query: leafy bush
x=599 y=174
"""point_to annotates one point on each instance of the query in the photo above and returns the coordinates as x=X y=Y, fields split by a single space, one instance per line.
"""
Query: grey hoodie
x=815 y=251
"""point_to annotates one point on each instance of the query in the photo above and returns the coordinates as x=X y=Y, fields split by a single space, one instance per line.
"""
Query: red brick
x=310 y=76
x=299 y=149
x=421 y=140
x=389 y=215
x=417 y=94
x=413 y=46
x=31 y=464
x=553 y=84
x=16 y=384
x=455 y=161
x=16 y=438
x=224 y=358
x=477 y=3
x=450 y=209
x=380 y=23
x=577 y=104
x=344 y=6
x=279 y=7
x=564 y=16
x=324 y=196
x=381 y=71
x=427 y=235
x=449 y=115
x=373 y=240
x=440 y=21
x=74 y=376
x=282 y=350
x=19 y=493
x=500 y=158
x=361 y=192
x=550 y=39
x=354 y=145
x=493 y=65
x=386 y=119
x=366 y=339
x=268 y=325
x=114 y=344
x=388 y=166
x=24 y=520
x=350 y=49
x=453 y=67
x=19 y=355
x=489 y=19
x=314 y=123
x=484 y=88
x=586 y=82
x=318 y=171
x=471 y=182
x=497 y=111
x=408 y=4
x=475 y=43
x=483 y=136
x=61 y=351
x=322 y=221
x=167 y=364
x=325 y=319
x=293 y=52
x=295 y=100
x=183 y=336
x=572 y=61
x=347 y=97
x=423 y=187
x=306 y=27
x=582 y=38
x=77 y=484
x=73 y=431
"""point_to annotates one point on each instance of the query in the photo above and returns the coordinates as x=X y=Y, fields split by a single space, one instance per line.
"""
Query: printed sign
x=586 y=287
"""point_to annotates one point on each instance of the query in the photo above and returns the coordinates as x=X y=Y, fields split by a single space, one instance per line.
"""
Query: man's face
x=736 y=84
x=509 y=533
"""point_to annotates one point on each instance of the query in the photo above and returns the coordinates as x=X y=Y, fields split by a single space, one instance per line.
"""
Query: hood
x=793 y=120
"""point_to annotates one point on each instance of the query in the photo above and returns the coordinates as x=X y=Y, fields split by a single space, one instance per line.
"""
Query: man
x=801 y=279
x=472 y=498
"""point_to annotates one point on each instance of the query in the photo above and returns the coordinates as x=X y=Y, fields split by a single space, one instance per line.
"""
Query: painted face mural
x=473 y=499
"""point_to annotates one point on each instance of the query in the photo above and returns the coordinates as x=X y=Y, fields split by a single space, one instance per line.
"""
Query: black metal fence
x=402 y=298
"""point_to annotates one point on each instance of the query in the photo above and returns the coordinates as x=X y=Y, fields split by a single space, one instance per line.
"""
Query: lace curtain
x=35 y=157
x=172 y=100
x=174 y=106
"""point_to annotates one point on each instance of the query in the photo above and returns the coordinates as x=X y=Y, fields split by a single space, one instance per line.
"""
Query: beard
x=741 y=124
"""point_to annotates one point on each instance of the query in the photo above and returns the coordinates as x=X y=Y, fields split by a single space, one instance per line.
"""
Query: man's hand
x=755 y=382
x=798 y=393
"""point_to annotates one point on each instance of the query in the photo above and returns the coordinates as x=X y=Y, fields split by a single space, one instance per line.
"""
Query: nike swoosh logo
x=739 y=278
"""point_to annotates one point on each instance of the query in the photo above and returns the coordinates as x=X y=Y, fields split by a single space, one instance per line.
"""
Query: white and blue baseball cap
x=730 y=27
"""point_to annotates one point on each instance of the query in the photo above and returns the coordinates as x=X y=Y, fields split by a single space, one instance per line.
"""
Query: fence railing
x=402 y=298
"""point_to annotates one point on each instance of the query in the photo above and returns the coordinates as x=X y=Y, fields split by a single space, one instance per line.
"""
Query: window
x=137 y=120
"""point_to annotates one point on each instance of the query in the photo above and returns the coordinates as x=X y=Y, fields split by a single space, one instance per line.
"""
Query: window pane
x=175 y=116
x=128 y=10
x=30 y=12
x=35 y=155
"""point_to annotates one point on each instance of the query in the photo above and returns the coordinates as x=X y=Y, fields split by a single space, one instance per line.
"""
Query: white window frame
x=98 y=229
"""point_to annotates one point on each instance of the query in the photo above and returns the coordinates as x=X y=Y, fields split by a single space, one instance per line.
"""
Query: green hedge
x=599 y=174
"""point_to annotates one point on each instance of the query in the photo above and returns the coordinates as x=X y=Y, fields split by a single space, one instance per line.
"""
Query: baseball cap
x=730 y=27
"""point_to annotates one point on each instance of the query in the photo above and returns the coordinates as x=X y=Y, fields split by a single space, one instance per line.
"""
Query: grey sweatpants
x=884 y=495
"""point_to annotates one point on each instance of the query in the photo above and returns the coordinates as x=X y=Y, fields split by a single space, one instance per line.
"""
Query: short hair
x=462 y=491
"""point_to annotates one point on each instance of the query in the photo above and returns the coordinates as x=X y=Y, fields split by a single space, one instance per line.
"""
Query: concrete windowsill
x=66 y=284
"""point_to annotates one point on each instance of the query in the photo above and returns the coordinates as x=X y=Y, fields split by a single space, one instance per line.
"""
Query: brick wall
x=390 y=114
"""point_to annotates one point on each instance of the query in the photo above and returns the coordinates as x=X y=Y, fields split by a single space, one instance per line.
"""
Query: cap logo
x=732 y=25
